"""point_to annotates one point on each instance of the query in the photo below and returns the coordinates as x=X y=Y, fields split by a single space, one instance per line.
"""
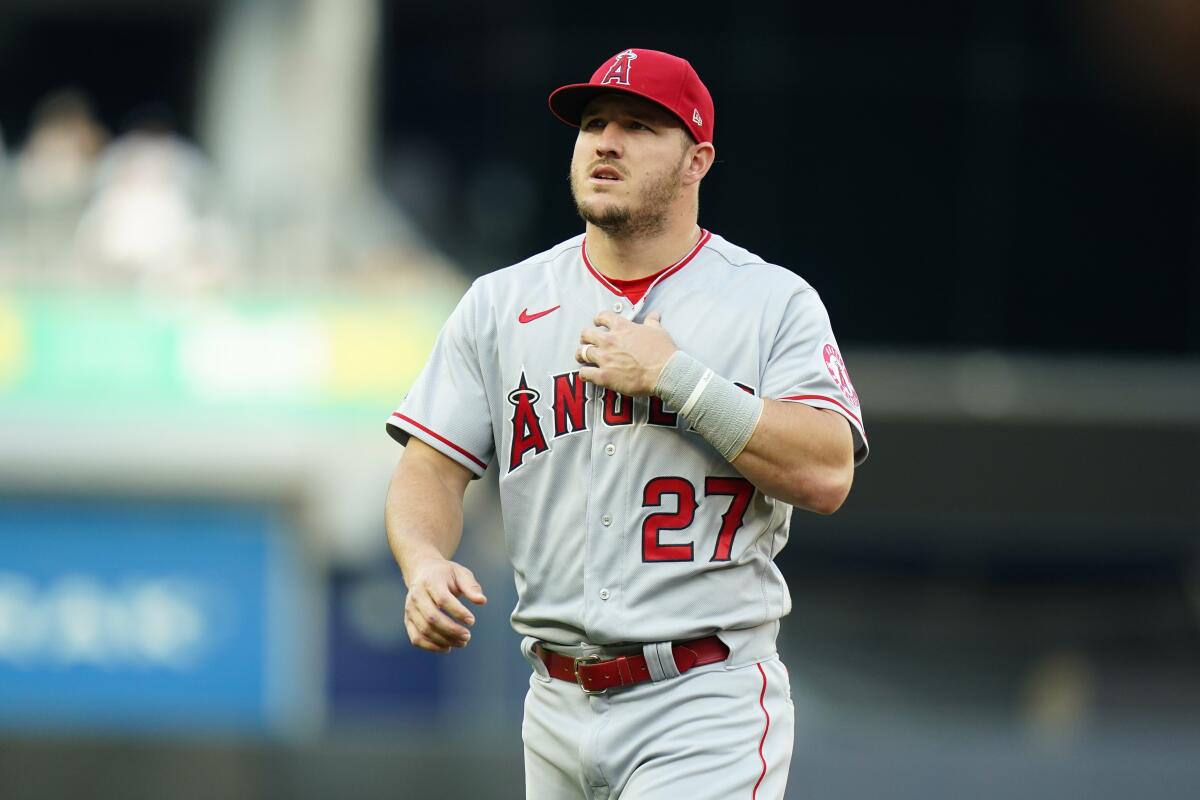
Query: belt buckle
x=592 y=659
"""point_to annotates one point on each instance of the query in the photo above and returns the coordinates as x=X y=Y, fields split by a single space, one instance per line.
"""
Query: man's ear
x=699 y=161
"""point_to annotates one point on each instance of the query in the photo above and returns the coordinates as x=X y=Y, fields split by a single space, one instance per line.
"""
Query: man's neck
x=630 y=258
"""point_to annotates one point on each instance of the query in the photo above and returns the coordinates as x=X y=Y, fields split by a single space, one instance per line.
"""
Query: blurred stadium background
x=229 y=232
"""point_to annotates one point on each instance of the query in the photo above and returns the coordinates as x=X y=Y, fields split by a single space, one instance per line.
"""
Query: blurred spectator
x=151 y=216
x=55 y=166
x=53 y=174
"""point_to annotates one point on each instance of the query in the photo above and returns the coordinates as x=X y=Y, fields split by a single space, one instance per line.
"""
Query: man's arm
x=424 y=517
x=799 y=454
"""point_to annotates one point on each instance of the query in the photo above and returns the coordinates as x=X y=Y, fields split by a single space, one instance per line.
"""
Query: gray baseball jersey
x=622 y=524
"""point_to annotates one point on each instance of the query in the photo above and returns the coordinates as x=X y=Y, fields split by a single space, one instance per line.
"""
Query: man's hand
x=432 y=611
x=627 y=356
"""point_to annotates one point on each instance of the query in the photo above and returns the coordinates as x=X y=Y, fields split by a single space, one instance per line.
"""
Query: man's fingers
x=429 y=616
x=451 y=606
x=654 y=319
x=434 y=631
x=419 y=640
x=590 y=340
x=433 y=612
x=432 y=645
x=592 y=375
x=588 y=354
x=468 y=587
x=425 y=644
x=439 y=639
x=594 y=336
x=609 y=320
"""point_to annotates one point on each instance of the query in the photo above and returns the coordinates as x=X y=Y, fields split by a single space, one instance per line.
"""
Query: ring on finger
x=583 y=353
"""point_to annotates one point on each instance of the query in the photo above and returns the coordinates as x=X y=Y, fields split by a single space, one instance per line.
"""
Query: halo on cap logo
x=839 y=373
x=618 y=72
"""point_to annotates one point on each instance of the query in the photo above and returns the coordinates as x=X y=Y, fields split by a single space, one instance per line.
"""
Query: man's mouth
x=605 y=174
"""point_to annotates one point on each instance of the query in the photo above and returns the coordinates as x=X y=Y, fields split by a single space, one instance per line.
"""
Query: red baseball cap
x=658 y=77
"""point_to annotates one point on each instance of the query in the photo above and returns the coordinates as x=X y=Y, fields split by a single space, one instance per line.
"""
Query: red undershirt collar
x=636 y=288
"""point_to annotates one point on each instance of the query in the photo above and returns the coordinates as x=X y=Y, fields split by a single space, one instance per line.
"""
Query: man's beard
x=645 y=219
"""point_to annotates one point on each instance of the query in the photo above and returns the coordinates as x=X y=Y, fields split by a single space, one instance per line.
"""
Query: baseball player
x=656 y=400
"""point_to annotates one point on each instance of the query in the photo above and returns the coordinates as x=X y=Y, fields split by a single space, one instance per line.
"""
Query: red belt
x=595 y=676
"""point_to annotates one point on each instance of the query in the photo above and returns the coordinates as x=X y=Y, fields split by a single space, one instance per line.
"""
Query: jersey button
x=606 y=520
x=604 y=595
x=618 y=307
x=609 y=449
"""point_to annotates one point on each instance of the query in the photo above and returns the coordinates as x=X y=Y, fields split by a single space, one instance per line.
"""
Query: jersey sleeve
x=806 y=366
x=447 y=406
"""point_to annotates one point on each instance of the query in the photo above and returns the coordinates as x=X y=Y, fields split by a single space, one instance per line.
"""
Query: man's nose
x=609 y=142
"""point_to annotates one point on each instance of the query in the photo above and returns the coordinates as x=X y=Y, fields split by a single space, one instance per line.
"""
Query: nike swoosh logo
x=527 y=317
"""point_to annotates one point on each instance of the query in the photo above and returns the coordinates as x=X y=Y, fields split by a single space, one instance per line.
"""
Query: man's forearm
x=423 y=515
x=801 y=455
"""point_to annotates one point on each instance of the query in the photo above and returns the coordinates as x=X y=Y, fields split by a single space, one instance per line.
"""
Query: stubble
x=644 y=216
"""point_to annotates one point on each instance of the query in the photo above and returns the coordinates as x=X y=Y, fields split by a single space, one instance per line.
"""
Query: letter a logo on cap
x=619 y=71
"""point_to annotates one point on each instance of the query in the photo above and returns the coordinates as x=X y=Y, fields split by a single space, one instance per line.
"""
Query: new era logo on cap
x=653 y=75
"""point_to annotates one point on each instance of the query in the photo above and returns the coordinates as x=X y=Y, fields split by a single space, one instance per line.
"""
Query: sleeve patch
x=839 y=373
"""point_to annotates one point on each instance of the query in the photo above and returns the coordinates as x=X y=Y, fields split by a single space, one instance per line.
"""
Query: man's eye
x=593 y=123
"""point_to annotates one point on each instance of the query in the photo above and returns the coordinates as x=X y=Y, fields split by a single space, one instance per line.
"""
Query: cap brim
x=567 y=102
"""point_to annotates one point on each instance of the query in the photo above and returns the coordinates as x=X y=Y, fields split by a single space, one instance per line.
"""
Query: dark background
x=944 y=173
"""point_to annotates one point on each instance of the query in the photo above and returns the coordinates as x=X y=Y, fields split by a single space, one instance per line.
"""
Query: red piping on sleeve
x=849 y=413
x=440 y=438
x=766 y=727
